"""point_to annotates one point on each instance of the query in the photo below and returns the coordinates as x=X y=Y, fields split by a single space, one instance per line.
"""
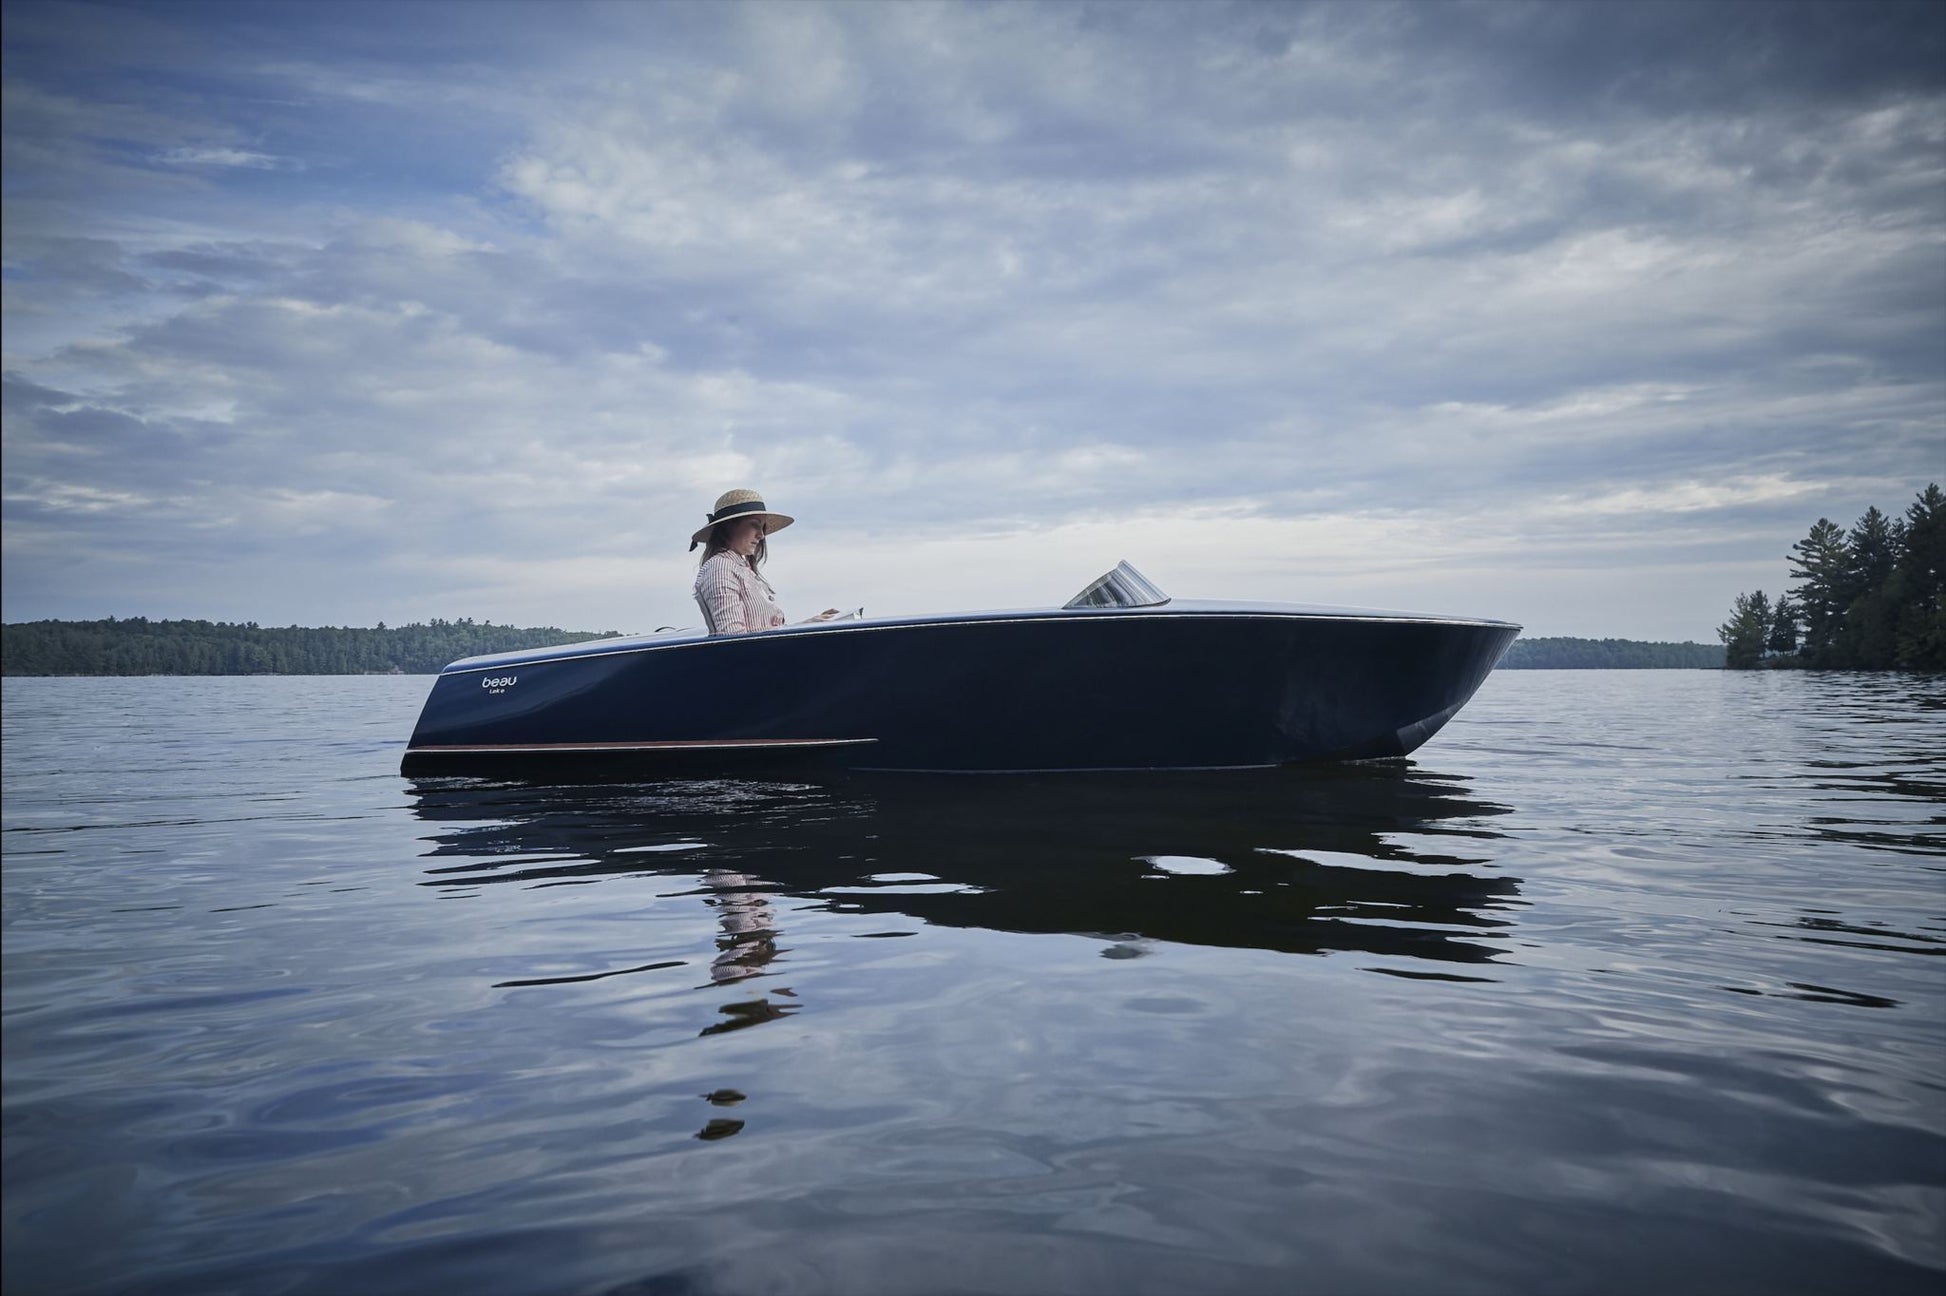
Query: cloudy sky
x=1574 y=314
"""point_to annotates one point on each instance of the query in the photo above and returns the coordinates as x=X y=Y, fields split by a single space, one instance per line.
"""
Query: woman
x=734 y=596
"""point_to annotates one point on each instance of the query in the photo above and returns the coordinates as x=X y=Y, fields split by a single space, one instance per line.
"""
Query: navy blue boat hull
x=1173 y=688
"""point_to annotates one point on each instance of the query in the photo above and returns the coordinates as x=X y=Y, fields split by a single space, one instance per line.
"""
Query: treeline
x=1872 y=598
x=1610 y=654
x=139 y=646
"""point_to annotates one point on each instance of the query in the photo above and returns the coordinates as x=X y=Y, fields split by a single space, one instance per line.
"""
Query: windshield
x=1124 y=587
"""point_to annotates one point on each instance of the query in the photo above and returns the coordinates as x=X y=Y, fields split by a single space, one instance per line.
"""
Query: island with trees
x=1871 y=598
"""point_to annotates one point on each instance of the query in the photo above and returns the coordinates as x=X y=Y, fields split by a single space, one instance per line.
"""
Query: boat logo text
x=499 y=683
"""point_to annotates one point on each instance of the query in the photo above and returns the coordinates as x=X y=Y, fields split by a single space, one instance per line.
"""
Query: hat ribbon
x=737 y=510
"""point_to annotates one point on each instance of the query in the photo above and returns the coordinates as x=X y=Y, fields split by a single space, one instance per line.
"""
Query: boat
x=1121 y=677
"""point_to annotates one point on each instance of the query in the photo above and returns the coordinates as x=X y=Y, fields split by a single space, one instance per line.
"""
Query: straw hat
x=735 y=504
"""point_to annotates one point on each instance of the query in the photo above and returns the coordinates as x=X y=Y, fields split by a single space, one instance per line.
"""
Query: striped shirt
x=735 y=599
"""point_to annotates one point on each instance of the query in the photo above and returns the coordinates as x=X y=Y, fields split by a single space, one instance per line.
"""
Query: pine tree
x=1822 y=567
x=1783 y=627
x=1744 y=633
x=1921 y=631
x=1874 y=550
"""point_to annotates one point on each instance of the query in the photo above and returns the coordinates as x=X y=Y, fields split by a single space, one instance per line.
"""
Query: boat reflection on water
x=1385 y=858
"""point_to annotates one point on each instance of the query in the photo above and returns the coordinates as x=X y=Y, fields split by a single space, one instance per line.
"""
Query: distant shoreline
x=139 y=646
x=1563 y=653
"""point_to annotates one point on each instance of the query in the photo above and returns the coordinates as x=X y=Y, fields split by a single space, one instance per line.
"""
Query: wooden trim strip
x=726 y=744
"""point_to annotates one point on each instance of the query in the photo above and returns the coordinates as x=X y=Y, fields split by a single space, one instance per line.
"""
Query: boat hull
x=987 y=693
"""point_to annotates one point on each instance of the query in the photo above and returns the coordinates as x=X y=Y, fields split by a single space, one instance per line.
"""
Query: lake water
x=1627 y=982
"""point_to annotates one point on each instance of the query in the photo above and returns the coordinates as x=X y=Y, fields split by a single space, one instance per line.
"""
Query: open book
x=855 y=614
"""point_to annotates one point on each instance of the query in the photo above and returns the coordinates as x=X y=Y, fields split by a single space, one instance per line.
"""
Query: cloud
x=220 y=157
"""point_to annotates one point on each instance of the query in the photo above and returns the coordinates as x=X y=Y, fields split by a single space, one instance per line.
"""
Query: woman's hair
x=717 y=544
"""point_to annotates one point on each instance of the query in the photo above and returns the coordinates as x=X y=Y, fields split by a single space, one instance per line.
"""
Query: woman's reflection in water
x=748 y=942
x=749 y=938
